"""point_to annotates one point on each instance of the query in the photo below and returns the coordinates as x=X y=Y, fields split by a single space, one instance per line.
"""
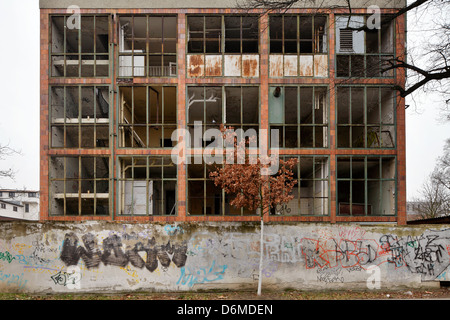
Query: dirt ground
x=439 y=293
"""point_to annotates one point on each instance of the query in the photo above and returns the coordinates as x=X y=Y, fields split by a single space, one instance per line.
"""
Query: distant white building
x=19 y=204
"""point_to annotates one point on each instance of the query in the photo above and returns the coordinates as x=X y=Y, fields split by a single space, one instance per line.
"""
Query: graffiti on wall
x=113 y=253
x=190 y=276
x=425 y=254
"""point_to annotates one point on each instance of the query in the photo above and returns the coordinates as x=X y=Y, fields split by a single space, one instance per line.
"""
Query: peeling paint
x=213 y=66
x=250 y=66
x=306 y=66
x=290 y=66
x=233 y=65
x=320 y=66
x=195 y=65
x=276 y=66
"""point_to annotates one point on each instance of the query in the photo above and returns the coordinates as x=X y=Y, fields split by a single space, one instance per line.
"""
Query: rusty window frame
x=136 y=166
x=315 y=42
x=319 y=178
x=367 y=64
x=165 y=56
x=79 y=123
x=372 y=131
x=299 y=125
x=65 y=177
x=364 y=182
x=223 y=91
x=222 y=39
x=207 y=189
x=163 y=124
x=97 y=56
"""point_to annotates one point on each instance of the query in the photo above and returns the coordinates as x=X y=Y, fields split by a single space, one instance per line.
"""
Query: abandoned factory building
x=118 y=78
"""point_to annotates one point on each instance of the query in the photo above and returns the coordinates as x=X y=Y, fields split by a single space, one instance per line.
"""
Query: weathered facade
x=118 y=78
x=108 y=257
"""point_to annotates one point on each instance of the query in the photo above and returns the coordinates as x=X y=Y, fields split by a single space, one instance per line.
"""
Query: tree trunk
x=261 y=251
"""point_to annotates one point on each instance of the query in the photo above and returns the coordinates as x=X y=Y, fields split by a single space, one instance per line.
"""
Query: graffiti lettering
x=6 y=256
x=13 y=279
x=191 y=276
x=71 y=278
x=114 y=255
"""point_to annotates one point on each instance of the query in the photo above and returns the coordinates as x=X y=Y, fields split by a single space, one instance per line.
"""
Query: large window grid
x=205 y=198
x=366 y=186
x=361 y=54
x=366 y=117
x=147 y=116
x=222 y=34
x=209 y=107
x=300 y=114
x=79 y=186
x=298 y=34
x=312 y=191
x=148 y=46
x=147 y=186
x=79 y=116
x=80 y=51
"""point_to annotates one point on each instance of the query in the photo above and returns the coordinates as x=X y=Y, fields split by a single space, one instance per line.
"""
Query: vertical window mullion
x=132 y=53
x=351 y=186
x=80 y=110
x=64 y=184
x=79 y=185
x=132 y=186
x=95 y=48
x=350 y=116
x=366 y=137
x=162 y=116
x=313 y=120
x=132 y=115
x=147 y=186
x=79 y=50
x=95 y=185
x=366 y=206
x=95 y=88
x=147 y=115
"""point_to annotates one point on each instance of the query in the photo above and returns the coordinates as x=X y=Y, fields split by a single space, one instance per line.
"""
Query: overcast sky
x=19 y=103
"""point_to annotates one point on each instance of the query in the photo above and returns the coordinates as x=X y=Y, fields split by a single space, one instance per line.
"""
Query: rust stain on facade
x=306 y=66
x=233 y=65
x=195 y=65
x=320 y=66
x=213 y=66
x=290 y=66
x=276 y=66
x=250 y=66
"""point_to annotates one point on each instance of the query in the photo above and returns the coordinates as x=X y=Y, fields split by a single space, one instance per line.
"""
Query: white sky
x=19 y=104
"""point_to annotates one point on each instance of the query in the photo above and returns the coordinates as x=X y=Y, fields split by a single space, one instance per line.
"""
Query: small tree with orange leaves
x=247 y=180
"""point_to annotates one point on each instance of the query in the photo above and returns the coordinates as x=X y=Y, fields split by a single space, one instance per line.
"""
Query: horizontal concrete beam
x=188 y=4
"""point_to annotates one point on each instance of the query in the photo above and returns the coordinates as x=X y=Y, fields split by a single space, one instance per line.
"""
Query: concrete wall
x=121 y=4
x=113 y=257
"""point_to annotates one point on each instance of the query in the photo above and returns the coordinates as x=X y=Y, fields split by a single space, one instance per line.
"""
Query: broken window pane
x=305 y=125
x=298 y=34
x=77 y=184
x=250 y=35
x=76 y=51
x=213 y=33
x=144 y=190
x=147 y=116
x=80 y=116
x=365 y=192
x=371 y=47
x=276 y=34
x=290 y=34
x=370 y=108
x=148 y=46
x=311 y=191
